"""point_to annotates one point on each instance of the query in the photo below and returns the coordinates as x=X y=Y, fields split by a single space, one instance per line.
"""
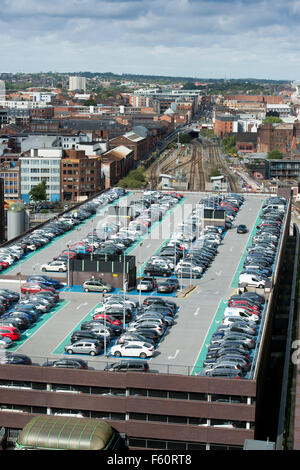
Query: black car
x=130 y=365
x=147 y=333
x=115 y=330
x=10 y=294
x=67 y=363
x=20 y=321
x=155 y=270
x=134 y=337
x=163 y=310
x=242 y=228
x=85 y=334
x=160 y=302
x=21 y=318
x=13 y=358
x=165 y=287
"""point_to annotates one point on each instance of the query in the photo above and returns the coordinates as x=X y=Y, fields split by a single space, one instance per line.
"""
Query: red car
x=108 y=318
x=243 y=303
x=4 y=264
x=10 y=331
x=33 y=288
x=69 y=253
x=228 y=206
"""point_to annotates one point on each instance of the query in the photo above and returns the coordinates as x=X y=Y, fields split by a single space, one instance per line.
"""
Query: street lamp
x=124 y=287
x=68 y=277
x=104 y=334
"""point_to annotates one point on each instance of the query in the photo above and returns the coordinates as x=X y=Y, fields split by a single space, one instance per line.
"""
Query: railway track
x=193 y=166
x=197 y=176
x=217 y=162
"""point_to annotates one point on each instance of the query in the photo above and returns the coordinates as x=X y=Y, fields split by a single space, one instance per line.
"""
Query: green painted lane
x=61 y=348
x=217 y=320
x=25 y=335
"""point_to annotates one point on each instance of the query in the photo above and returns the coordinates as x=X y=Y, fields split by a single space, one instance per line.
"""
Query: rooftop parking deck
x=183 y=347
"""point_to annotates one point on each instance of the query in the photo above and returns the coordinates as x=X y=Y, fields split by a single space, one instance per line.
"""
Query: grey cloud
x=152 y=35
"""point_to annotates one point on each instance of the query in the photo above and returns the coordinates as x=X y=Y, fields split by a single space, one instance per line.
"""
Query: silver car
x=5 y=342
x=84 y=347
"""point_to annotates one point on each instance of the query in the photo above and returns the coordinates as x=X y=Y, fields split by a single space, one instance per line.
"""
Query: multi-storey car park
x=173 y=405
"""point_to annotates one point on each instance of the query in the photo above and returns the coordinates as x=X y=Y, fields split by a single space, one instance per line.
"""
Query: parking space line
x=89 y=316
x=217 y=319
x=30 y=332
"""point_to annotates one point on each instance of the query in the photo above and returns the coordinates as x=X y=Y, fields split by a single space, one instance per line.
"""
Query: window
x=178 y=395
x=158 y=393
x=138 y=416
x=138 y=391
x=177 y=419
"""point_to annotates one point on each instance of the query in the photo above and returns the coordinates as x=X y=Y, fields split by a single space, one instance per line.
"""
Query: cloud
x=181 y=37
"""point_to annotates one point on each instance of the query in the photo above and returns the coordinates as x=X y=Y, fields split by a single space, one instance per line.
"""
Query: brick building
x=225 y=124
x=80 y=175
x=116 y=163
x=10 y=174
x=276 y=136
x=42 y=113
x=246 y=142
x=132 y=141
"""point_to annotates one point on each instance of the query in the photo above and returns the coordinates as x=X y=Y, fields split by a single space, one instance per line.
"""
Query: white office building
x=77 y=83
x=41 y=164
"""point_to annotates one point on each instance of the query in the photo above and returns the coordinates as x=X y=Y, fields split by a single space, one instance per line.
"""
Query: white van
x=251 y=280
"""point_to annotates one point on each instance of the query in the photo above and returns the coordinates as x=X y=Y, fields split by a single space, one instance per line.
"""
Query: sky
x=187 y=38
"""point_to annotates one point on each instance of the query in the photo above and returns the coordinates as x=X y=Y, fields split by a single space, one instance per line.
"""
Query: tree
x=272 y=119
x=38 y=192
x=185 y=138
x=275 y=154
x=229 y=144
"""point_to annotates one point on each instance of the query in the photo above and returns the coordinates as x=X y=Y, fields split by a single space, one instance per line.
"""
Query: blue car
x=46 y=280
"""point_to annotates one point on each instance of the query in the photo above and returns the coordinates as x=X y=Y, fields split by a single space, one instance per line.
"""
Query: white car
x=192 y=266
x=231 y=312
x=162 y=263
x=144 y=286
x=132 y=350
x=57 y=266
x=233 y=319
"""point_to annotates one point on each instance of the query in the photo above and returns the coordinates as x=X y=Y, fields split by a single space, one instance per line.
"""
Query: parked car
x=9 y=331
x=84 y=347
x=96 y=285
x=79 y=335
x=135 y=350
x=67 y=364
x=45 y=280
x=5 y=341
x=144 y=285
x=164 y=287
x=107 y=318
x=128 y=366
x=156 y=270
x=14 y=358
x=55 y=266
x=33 y=288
